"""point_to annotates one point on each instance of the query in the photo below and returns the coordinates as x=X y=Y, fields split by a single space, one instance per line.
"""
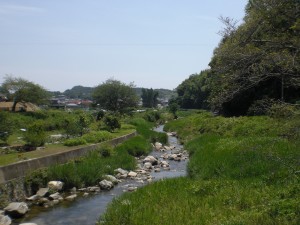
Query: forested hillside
x=255 y=63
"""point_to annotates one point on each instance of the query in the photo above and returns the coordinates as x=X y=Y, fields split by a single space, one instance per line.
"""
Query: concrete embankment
x=12 y=185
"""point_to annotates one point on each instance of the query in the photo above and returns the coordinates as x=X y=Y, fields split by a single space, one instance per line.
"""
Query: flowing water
x=86 y=210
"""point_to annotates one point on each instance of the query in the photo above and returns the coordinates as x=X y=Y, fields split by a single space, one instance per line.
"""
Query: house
x=3 y=98
x=20 y=107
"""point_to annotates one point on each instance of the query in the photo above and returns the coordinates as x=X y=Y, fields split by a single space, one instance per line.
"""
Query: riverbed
x=87 y=210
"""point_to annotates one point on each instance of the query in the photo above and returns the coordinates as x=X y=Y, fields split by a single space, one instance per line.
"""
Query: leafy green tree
x=18 y=89
x=149 y=98
x=35 y=135
x=115 y=96
x=194 y=91
x=258 y=59
x=173 y=107
x=112 y=122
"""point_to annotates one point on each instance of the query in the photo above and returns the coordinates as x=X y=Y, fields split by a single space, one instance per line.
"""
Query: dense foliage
x=242 y=170
x=257 y=61
x=115 y=96
x=149 y=98
x=17 y=89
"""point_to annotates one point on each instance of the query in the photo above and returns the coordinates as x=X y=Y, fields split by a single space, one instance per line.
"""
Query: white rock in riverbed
x=158 y=146
x=5 y=220
x=16 y=209
x=150 y=159
x=55 y=185
x=106 y=185
x=71 y=197
x=112 y=179
x=132 y=174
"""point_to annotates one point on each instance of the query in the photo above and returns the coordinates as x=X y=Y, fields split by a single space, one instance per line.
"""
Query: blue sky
x=156 y=43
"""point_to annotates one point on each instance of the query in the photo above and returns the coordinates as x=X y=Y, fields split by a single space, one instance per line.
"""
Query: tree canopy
x=149 y=98
x=258 y=59
x=18 y=89
x=115 y=96
x=193 y=92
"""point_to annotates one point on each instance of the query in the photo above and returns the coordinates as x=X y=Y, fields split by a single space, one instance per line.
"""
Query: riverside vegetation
x=90 y=169
x=242 y=170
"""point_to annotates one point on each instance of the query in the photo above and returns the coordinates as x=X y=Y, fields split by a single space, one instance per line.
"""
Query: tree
x=193 y=92
x=259 y=59
x=115 y=96
x=149 y=98
x=18 y=89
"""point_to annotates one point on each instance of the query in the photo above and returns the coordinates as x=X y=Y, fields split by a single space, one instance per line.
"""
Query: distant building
x=3 y=98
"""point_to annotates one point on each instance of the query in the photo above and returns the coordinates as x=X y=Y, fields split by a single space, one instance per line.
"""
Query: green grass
x=50 y=149
x=214 y=201
x=90 y=169
x=144 y=128
x=241 y=171
x=136 y=146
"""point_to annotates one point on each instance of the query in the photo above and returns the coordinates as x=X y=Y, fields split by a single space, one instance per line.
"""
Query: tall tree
x=115 y=96
x=149 y=98
x=193 y=92
x=259 y=58
x=18 y=89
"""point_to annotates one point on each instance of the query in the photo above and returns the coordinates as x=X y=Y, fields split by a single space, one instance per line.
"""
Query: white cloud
x=8 y=9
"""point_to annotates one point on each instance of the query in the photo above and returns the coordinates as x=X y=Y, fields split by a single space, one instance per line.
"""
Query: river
x=87 y=210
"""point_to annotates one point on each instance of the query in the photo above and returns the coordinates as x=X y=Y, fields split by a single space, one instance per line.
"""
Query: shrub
x=6 y=127
x=97 y=136
x=75 y=142
x=260 y=107
x=152 y=116
x=35 y=135
x=106 y=150
x=112 y=122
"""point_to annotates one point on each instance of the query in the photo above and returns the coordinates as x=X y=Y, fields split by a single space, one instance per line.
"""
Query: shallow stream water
x=87 y=210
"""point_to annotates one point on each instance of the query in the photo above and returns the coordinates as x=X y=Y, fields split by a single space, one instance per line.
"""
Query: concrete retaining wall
x=20 y=169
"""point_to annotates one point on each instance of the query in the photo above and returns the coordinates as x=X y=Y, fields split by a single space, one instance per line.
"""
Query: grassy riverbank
x=90 y=169
x=242 y=171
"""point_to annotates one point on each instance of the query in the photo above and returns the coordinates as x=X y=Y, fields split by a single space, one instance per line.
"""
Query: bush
x=6 y=127
x=35 y=135
x=106 y=150
x=152 y=116
x=75 y=142
x=112 y=122
x=97 y=136
x=260 y=107
x=282 y=110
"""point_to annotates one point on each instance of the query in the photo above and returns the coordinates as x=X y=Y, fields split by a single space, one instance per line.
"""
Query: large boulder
x=111 y=178
x=43 y=192
x=151 y=159
x=121 y=171
x=5 y=220
x=71 y=197
x=55 y=185
x=148 y=165
x=106 y=185
x=132 y=174
x=158 y=146
x=56 y=196
x=16 y=209
x=27 y=224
